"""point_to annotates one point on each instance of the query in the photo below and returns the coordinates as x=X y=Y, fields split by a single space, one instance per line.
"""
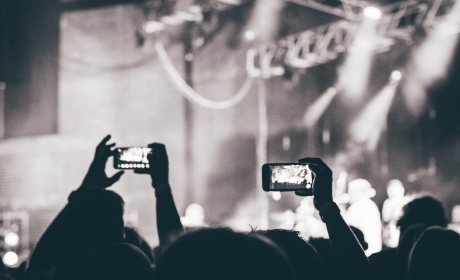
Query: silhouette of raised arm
x=351 y=260
x=168 y=219
x=50 y=247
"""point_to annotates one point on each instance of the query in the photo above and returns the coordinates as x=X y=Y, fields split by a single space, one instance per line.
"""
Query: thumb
x=304 y=192
x=114 y=178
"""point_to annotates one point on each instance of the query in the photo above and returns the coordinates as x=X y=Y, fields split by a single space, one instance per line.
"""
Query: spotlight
x=11 y=239
x=249 y=35
x=276 y=196
x=372 y=13
x=10 y=258
x=396 y=75
x=152 y=26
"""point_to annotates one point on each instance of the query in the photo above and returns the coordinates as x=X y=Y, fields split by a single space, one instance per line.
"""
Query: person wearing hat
x=364 y=214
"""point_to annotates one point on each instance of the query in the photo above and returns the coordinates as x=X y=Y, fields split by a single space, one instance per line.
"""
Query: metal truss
x=324 y=43
x=347 y=9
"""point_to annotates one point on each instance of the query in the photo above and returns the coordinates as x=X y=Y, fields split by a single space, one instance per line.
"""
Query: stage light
x=318 y=107
x=10 y=258
x=276 y=196
x=11 y=239
x=249 y=35
x=371 y=122
x=396 y=75
x=265 y=20
x=372 y=13
x=152 y=26
x=430 y=62
x=353 y=74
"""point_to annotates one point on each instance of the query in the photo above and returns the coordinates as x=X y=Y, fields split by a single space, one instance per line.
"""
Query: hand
x=322 y=181
x=96 y=176
x=158 y=165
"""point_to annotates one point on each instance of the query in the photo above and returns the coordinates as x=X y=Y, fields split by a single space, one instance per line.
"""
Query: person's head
x=223 y=254
x=395 y=188
x=435 y=255
x=360 y=189
x=406 y=242
x=92 y=219
x=121 y=261
x=134 y=238
x=95 y=216
x=303 y=256
x=423 y=210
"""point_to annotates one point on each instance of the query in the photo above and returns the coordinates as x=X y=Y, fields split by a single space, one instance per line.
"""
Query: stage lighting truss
x=347 y=9
x=324 y=43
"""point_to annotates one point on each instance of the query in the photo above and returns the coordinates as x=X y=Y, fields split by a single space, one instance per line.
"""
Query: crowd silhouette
x=88 y=239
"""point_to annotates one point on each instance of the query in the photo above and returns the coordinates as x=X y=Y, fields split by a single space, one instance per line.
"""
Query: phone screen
x=131 y=158
x=286 y=177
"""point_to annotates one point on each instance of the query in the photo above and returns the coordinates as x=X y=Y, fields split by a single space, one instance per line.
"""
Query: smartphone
x=131 y=158
x=283 y=177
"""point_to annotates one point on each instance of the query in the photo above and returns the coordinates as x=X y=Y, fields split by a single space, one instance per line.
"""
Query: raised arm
x=351 y=261
x=43 y=258
x=168 y=219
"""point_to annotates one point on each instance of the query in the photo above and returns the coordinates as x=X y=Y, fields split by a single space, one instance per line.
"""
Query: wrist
x=161 y=188
x=328 y=210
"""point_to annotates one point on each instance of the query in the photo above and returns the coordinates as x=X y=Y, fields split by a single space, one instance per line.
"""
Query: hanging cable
x=190 y=93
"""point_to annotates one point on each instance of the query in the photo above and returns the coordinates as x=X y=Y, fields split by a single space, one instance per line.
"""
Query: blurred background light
x=11 y=239
x=10 y=258
x=372 y=13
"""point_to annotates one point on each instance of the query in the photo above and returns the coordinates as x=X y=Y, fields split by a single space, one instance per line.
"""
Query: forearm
x=168 y=219
x=351 y=261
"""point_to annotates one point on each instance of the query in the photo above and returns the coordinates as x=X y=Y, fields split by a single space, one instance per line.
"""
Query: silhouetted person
x=223 y=254
x=423 y=210
x=92 y=219
x=350 y=260
x=391 y=212
x=168 y=219
x=134 y=238
x=324 y=249
x=406 y=243
x=418 y=214
x=436 y=255
x=120 y=261
x=364 y=214
x=303 y=256
x=360 y=236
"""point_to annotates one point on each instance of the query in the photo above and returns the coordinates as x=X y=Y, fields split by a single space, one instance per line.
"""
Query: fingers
x=114 y=178
x=158 y=153
x=104 y=141
x=304 y=193
x=316 y=162
x=158 y=148
x=141 y=171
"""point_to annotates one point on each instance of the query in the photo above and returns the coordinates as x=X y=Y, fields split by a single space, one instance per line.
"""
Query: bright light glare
x=396 y=75
x=153 y=26
x=249 y=35
x=318 y=107
x=265 y=20
x=429 y=64
x=354 y=75
x=276 y=196
x=10 y=258
x=367 y=128
x=372 y=13
x=11 y=239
